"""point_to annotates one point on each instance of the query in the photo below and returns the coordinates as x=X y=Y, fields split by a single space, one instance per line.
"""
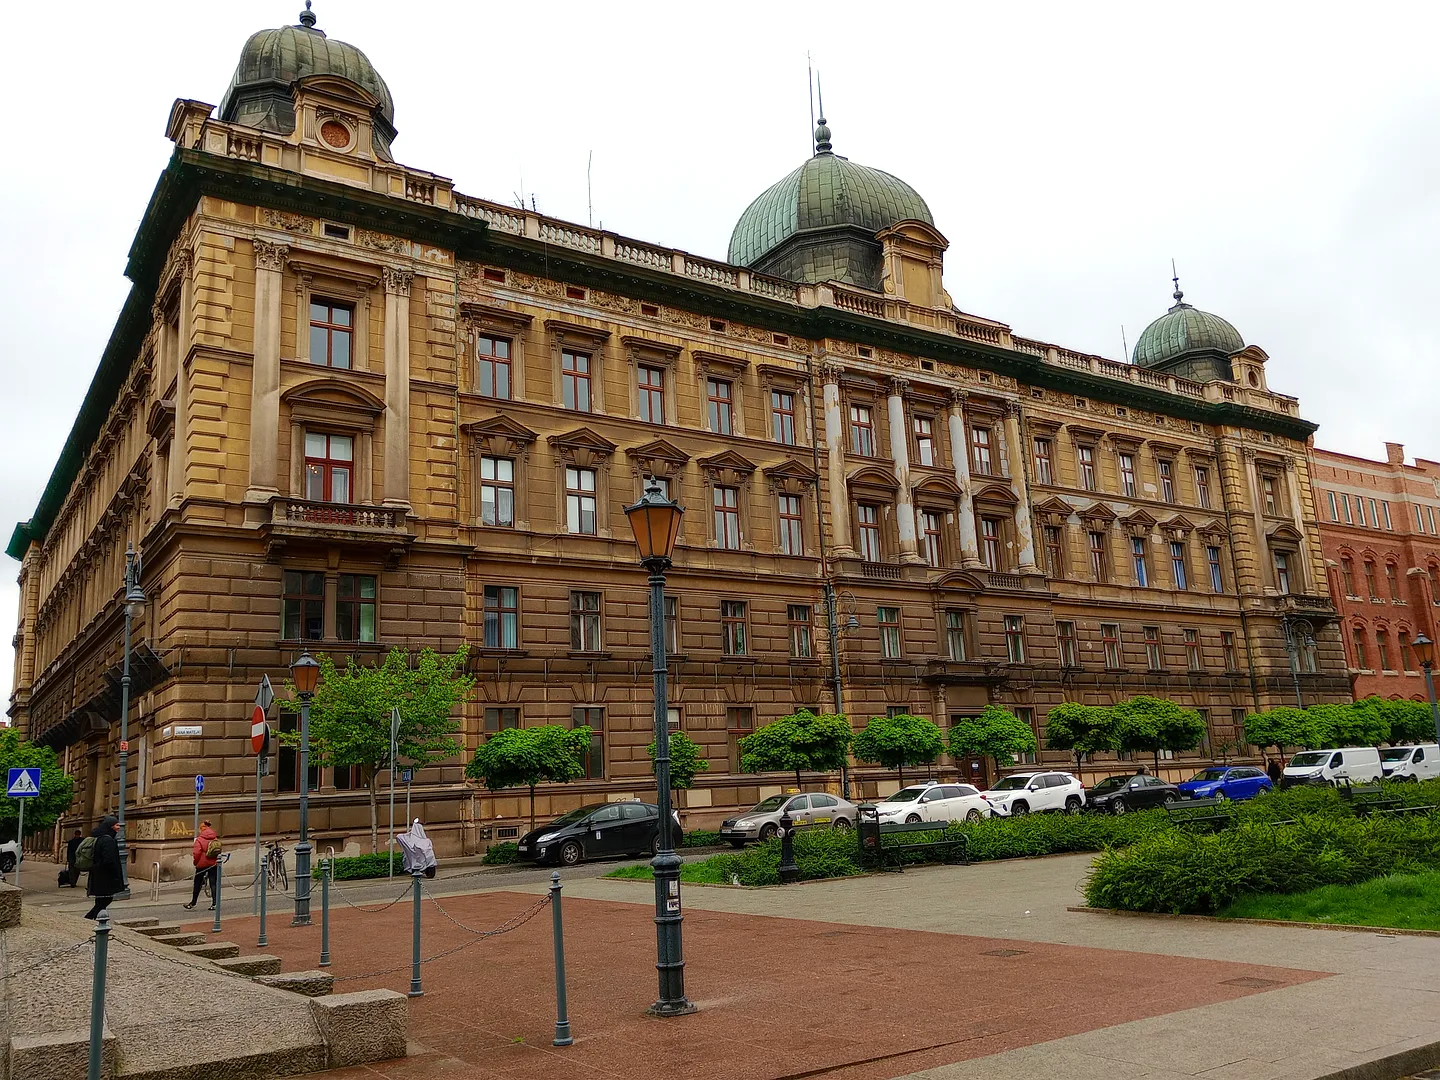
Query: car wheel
x=1222 y=796
x=1072 y=804
x=1117 y=806
x=840 y=823
x=768 y=832
x=973 y=815
x=737 y=844
x=1020 y=809
x=1170 y=797
x=571 y=853
x=912 y=819
x=7 y=862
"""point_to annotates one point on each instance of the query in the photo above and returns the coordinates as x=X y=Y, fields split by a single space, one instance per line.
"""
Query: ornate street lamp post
x=656 y=522
x=305 y=673
x=134 y=608
x=1425 y=652
x=1299 y=636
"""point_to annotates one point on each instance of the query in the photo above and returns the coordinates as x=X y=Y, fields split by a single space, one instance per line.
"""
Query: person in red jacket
x=205 y=864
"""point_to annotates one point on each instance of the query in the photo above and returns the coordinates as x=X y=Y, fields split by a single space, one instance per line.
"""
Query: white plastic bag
x=417 y=850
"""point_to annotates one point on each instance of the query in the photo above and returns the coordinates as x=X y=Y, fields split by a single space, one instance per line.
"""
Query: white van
x=1411 y=762
x=1345 y=765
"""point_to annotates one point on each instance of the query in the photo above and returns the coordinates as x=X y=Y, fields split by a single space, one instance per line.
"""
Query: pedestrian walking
x=206 y=856
x=71 y=877
x=1273 y=769
x=106 y=875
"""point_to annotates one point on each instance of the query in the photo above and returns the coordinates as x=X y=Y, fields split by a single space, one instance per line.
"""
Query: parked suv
x=1028 y=793
x=933 y=802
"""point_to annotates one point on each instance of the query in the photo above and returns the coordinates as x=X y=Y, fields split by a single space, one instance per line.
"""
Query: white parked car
x=1411 y=762
x=931 y=801
x=9 y=856
x=1338 y=767
x=1030 y=793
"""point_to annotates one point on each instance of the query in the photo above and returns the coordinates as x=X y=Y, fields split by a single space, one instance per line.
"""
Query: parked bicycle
x=275 y=875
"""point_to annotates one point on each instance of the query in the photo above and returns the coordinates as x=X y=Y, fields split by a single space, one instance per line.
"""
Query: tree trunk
x=374 y=814
x=532 y=807
x=900 y=772
x=797 y=779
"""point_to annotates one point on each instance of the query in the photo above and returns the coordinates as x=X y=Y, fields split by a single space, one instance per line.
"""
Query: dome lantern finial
x=822 y=136
x=307 y=17
x=1178 y=296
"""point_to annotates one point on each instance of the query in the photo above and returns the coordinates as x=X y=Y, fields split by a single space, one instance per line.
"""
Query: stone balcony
x=306 y=523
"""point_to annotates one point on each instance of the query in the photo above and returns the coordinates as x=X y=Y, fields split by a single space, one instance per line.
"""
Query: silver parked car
x=807 y=809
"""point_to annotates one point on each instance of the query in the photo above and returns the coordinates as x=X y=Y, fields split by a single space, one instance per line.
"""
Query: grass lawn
x=702 y=872
x=1404 y=901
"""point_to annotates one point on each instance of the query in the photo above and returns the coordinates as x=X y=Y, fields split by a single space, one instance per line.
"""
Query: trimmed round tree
x=528 y=757
x=1150 y=725
x=1279 y=727
x=686 y=761
x=1409 y=721
x=897 y=741
x=1081 y=729
x=803 y=741
x=996 y=733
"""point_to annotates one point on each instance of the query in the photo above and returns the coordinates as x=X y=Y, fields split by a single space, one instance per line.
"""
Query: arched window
x=1357 y=648
x=1392 y=581
x=1372 y=588
x=1347 y=575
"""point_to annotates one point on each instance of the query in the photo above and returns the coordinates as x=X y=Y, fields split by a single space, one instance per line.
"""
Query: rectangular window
x=594 y=719
x=1177 y=565
x=869 y=519
x=1382 y=649
x=1267 y=492
x=1407 y=657
x=329 y=461
x=1360 y=511
x=1086 y=455
x=1392 y=579
x=1385 y=510
x=1054 y=550
x=332 y=328
x=1138 y=560
x=1167 y=481
x=585 y=622
x=862 y=431
x=887 y=619
x=497 y=492
x=1015 y=638
x=1202 y=486
x=1228 y=650
x=1154 y=658
x=720 y=401
x=801 y=646
x=502 y=617
x=955 y=634
x=575 y=381
x=782 y=417
x=1027 y=717
x=304 y=605
x=1345 y=504
x=727 y=517
x=931 y=537
x=792 y=536
x=980 y=441
x=501 y=718
x=1212 y=559
x=1044 y=462
x=739 y=722
x=1419 y=519
x=355 y=607
x=1282 y=572
x=1357 y=643
x=732 y=627
x=1065 y=639
x=1194 y=658
x=1110 y=643
x=924 y=440
x=990 y=539
x=650 y=394
x=1334 y=506
x=580 y=501
x=1099 y=564
x=1127 y=474
x=1430 y=515
x=672 y=625
x=1374 y=515
x=494 y=370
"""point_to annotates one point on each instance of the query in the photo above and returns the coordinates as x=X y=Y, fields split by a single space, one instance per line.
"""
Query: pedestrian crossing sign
x=23 y=783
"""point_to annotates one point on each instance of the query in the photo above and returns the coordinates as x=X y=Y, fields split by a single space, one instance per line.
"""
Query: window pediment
x=649 y=351
x=658 y=450
x=1054 y=511
x=997 y=493
x=329 y=399
x=790 y=476
x=778 y=375
x=499 y=435
x=1214 y=531
x=717 y=364
x=357 y=278
x=1084 y=435
x=1286 y=533
x=873 y=478
x=960 y=581
x=938 y=487
x=1042 y=426
x=582 y=447
x=568 y=333
x=160 y=420
x=1139 y=523
x=1099 y=515
x=478 y=316
x=1178 y=527
x=727 y=463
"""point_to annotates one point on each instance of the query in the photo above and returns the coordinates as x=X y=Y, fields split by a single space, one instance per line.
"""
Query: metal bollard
x=562 y=1014
x=789 y=872
x=416 y=990
x=262 y=886
x=219 y=875
x=325 y=913
x=97 y=993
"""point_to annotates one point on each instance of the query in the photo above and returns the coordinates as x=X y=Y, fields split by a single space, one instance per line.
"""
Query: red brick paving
x=778 y=997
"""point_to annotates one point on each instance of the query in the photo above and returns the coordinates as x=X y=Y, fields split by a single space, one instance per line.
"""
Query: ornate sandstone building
x=347 y=408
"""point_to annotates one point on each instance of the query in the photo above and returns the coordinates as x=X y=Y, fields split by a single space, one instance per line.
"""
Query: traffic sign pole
x=199 y=787
x=260 y=743
x=21 y=784
x=394 y=738
x=20 y=838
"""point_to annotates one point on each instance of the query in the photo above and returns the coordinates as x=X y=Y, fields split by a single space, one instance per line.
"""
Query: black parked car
x=1118 y=794
x=589 y=832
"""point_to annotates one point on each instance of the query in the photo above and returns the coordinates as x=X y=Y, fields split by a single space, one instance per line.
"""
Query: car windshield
x=575 y=815
x=774 y=802
x=1110 y=783
x=1310 y=758
x=1207 y=774
x=1396 y=753
x=908 y=794
x=1011 y=783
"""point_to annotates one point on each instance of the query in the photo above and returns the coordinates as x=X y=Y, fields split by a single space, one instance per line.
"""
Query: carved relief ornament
x=270 y=256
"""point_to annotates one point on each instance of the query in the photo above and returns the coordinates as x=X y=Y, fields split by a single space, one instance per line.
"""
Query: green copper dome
x=272 y=60
x=819 y=223
x=1190 y=342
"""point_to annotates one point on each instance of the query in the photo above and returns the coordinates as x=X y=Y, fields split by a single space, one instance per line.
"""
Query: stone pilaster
x=397 y=386
x=265 y=374
x=1020 y=487
x=835 y=460
x=960 y=455
x=900 y=457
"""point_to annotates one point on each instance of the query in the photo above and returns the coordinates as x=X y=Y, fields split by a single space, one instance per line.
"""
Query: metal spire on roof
x=1175 y=277
x=307 y=17
x=822 y=131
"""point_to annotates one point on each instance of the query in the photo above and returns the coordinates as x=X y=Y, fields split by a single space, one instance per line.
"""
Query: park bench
x=1371 y=798
x=1213 y=813
x=876 y=851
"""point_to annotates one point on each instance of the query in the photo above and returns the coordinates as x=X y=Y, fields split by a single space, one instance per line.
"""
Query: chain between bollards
x=219 y=876
x=325 y=867
x=97 y=993
x=562 y=1012
x=416 y=990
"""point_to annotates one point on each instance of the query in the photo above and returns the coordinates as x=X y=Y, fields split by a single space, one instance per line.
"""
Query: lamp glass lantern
x=655 y=521
x=135 y=601
x=1424 y=650
x=306 y=674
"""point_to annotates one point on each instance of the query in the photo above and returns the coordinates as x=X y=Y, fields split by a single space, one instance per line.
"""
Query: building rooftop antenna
x=810 y=78
x=1125 y=345
x=589 y=195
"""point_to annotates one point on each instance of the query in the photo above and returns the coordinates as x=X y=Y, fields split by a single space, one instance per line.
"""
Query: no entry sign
x=259 y=731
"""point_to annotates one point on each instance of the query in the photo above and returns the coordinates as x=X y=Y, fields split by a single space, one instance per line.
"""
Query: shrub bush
x=702 y=838
x=353 y=867
x=501 y=854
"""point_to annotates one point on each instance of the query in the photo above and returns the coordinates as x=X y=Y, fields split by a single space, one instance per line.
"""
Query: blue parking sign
x=23 y=783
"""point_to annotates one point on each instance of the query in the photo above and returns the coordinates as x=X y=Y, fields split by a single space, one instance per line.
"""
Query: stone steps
x=212 y=950
x=155 y=928
x=255 y=964
x=140 y=923
x=185 y=937
x=307 y=983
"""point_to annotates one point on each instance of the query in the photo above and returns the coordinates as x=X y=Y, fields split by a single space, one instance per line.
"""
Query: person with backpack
x=70 y=876
x=100 y=854
x=206 y=856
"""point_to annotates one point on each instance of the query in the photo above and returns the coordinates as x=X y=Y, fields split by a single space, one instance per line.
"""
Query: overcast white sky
x=1286 y=155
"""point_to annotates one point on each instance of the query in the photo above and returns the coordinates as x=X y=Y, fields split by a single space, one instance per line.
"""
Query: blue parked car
x=1234 y=782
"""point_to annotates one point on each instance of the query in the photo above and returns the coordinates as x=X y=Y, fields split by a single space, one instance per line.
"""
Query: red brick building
x=1380 y=531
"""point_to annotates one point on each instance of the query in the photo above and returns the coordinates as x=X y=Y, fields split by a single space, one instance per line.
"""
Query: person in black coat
x=72 y=872
x=106 y=876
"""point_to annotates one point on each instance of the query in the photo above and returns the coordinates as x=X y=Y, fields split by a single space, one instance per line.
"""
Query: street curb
x=1389 y=931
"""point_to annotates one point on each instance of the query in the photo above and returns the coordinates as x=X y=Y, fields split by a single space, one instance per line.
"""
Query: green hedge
x=501 y=854
x=702 y=838
x=351 y=867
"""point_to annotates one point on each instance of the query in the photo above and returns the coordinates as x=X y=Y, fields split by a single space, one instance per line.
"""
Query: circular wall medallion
x=335 y=133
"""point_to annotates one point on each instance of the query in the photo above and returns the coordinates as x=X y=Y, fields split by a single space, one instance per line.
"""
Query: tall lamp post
x=1299 y=634
x=836 y=632
x=1425 y=653
x=134 y=608
x=305 y=673
x=656 y=522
